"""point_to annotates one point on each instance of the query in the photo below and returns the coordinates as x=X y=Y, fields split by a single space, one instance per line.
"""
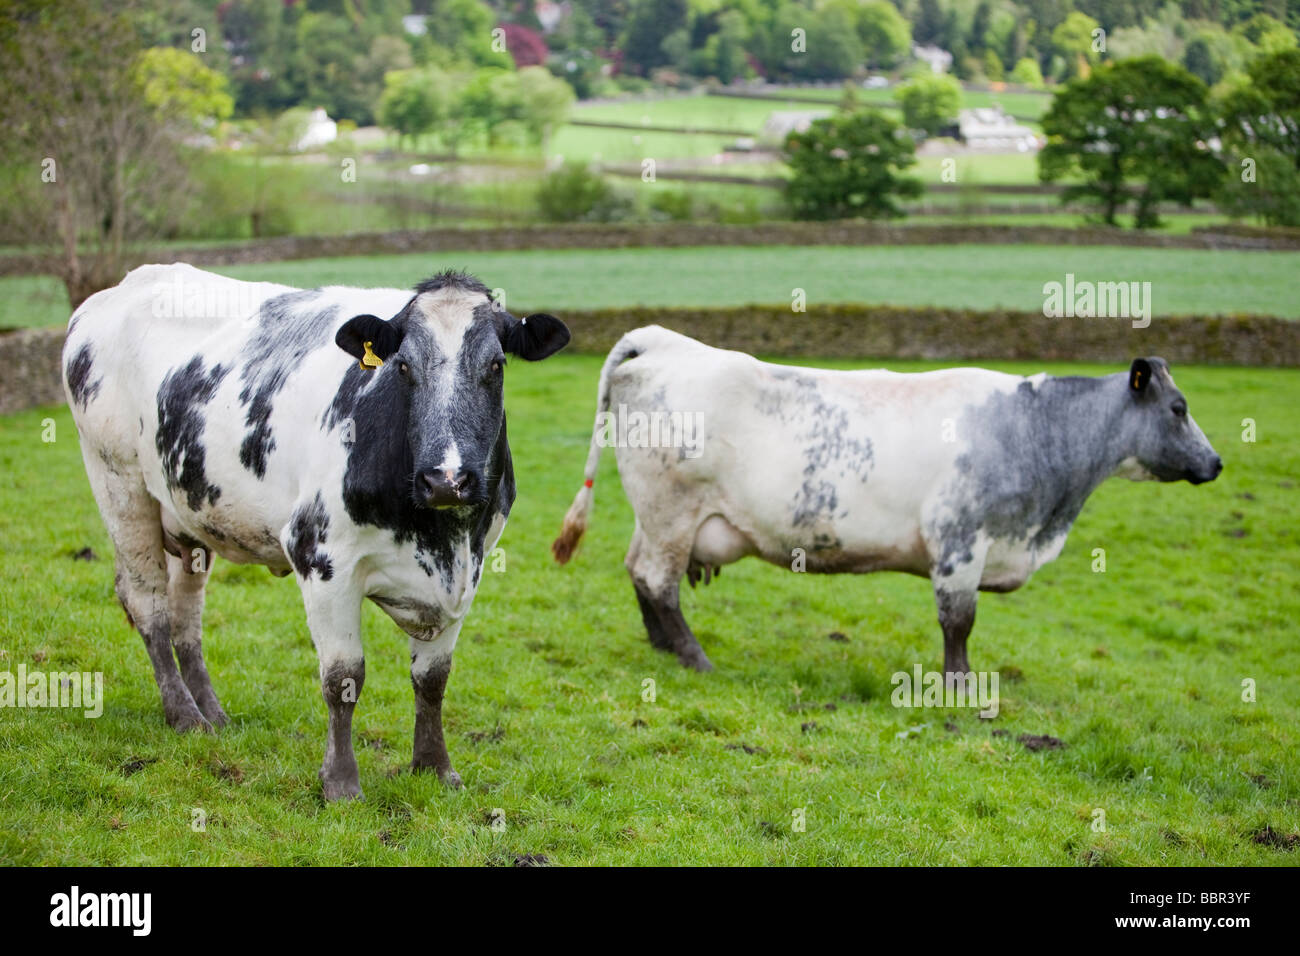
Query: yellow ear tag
x=370 y=360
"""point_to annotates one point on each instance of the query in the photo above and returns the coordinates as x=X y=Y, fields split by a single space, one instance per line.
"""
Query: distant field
x=1029 y=106
x=1138 y=671
x=980 y=277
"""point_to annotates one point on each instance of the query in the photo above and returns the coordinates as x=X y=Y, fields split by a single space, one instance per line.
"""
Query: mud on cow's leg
x=430 y=666
x=187 y=577
x=657 y=580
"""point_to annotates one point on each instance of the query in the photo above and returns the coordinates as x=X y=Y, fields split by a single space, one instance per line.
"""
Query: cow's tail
x=575 y=520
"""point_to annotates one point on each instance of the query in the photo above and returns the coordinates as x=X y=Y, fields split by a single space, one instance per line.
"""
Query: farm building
x=991 y=129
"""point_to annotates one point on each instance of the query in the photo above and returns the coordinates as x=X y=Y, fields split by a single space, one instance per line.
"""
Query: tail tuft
x=575 y=525
x=575 y=521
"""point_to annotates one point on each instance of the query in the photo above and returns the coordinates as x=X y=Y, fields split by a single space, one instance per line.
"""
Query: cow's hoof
x=183 y=721
x=451 y=779
x=211 y=709
x=337 y=789
x=695 y=660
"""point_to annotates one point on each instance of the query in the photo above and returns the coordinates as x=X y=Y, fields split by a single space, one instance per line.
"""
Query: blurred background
x=199 y=130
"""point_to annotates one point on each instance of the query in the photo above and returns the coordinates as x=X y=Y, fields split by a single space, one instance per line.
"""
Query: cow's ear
x=534 y=337
x=361 y=330
x=1139 y=376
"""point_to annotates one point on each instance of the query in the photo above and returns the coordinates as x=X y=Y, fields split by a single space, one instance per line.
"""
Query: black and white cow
x=299 y=430
x=967 y=476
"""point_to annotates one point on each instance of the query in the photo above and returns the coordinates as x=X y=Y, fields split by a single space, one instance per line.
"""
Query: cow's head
x=445 y=356
x=1169 y=446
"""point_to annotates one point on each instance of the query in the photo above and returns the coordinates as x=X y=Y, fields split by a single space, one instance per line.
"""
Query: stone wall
x=30 y=358
x=661 y=235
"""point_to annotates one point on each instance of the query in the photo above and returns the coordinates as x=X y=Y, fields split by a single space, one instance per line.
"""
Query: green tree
x=849 y=166
x=543 y=102
x=1027 y=73
x=1211 y=54
x=1261 y=136
x=886 y=37
x=1136 y=129
x=649 y=23
x=725 y=50
x=94 y=163
x=929 y=22
x=1266 y=33
x=462 y=30
x=414 y=101
x=992 y=64
x=178 y=84
x=930 y=102
x=1073 y=40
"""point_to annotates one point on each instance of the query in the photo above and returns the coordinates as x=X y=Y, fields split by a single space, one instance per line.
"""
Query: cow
x=355 y=438
x=966 y=476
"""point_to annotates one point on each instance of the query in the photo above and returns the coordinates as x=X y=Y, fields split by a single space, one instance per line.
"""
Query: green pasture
x=579 y=742
x=1183 y=281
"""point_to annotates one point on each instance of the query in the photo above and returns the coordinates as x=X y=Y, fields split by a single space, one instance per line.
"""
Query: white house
x=939 y=60
x=992 y=130
x=321 y=130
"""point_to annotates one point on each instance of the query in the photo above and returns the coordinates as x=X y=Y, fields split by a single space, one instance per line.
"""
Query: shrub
x=574 y=193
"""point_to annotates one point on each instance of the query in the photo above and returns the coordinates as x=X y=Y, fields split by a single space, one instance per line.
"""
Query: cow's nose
x=1218 y=466
x=445 y=487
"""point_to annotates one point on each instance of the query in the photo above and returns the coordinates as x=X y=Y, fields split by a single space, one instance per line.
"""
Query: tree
x=648 y=25
x=544 y=102
x=886 y=37
x=725 y=49
x=992 y=65
x=94 y=166
x=1261 y=135
x=930 y=102
x=414 y=101
x=1211 y=54
x=1073 y=39
x=849 y=165
x=176 y=83
x=1137 y=129
x=462 y=29
x=526 y=46
x=1270 y=35
x=929 y=24
x=1027 y=73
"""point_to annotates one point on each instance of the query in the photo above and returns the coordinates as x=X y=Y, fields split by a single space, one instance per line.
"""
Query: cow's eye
x=403 y=368
x=1180 y=409
x=497 y=365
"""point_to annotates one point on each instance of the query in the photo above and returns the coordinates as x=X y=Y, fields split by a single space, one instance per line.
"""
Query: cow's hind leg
x=656 y=576
x=430 y=665
x=135 y=525
x=187 y=577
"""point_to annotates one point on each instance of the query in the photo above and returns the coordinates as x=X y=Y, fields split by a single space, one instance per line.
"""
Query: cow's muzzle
x=447 y=489
x=1209 y=473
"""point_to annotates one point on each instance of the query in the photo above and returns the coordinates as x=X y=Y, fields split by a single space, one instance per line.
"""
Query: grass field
x=1184 y=281
x=1137 y=670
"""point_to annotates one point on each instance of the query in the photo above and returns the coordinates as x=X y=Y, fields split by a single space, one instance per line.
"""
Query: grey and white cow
x=967 y=476
x=299 y=430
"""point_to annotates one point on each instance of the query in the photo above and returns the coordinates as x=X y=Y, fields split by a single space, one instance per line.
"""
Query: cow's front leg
x=334 y=615
x=430 y=665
